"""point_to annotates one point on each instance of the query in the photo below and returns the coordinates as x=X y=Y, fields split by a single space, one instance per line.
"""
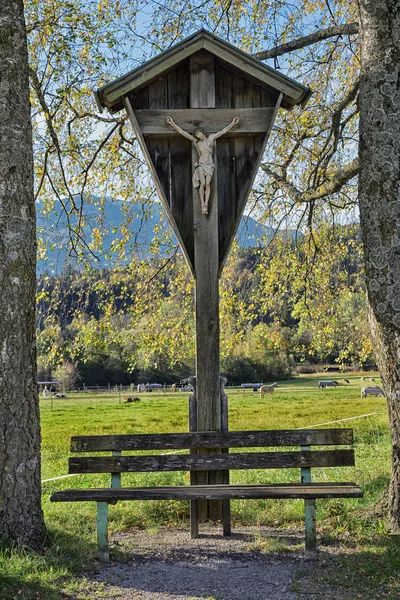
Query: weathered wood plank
x=217 y=492
x=180 y=158
x=202 y=80
x=156 y=180
x=159 y=148
x=205 y=230
x=202 y=95
x=253 y=72
x=242 y=195
x=139 y=99
x=194 y=505
x=213 y=439
x=211 y=462
x=179 y=86
x=145 y=75
x=253 y=121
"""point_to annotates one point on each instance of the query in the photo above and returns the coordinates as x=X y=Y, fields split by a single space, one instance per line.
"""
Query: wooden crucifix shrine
x=202 y=112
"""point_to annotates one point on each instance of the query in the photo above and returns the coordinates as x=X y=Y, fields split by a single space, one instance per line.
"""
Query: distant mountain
x=143 y=223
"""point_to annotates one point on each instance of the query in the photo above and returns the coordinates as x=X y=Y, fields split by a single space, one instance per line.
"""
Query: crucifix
x=202 y=112
x=203 y=169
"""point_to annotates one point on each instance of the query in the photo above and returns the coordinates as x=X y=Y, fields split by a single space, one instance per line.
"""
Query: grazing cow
x=267 y=389
x=346 y=380
x=372 y=390
x=327 y=383
x=131 y=399
x=371 y=379
x=362 y=378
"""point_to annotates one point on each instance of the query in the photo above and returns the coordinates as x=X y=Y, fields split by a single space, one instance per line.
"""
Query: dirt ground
x=168 y=565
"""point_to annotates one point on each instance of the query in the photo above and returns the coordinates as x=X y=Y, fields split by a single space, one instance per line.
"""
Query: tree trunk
x=21 y=518
x=379 y=200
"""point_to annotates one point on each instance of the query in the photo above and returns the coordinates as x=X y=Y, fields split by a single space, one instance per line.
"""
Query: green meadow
x=368 y=549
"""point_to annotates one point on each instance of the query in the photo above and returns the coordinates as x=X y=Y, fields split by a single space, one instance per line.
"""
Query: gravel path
x=168 y=565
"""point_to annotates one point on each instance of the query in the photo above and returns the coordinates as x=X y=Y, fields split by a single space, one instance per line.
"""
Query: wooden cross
x=203 y=82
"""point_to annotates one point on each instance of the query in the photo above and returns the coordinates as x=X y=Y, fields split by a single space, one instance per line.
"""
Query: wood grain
x=216 y=492
x=211 y=462
x=213 y=439
x=252 y=121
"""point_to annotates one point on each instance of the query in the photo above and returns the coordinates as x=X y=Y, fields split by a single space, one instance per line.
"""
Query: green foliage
x=281 y=305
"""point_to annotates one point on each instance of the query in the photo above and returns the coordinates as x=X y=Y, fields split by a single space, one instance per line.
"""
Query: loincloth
x=207 y=170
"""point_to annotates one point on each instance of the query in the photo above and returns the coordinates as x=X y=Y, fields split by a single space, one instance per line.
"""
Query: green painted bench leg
x=102 y=529
x=310 y=521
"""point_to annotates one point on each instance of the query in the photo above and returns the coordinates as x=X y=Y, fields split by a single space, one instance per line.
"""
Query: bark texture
x=21 y=518
x=379 y=199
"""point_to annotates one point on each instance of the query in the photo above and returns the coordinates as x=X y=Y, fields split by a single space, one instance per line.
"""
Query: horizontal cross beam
x=253 y=121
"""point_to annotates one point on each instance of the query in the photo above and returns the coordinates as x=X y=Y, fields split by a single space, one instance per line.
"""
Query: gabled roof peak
x=110 y=96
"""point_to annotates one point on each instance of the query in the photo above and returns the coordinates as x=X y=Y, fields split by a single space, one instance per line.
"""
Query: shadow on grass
x=26 y=575
x=367 y=569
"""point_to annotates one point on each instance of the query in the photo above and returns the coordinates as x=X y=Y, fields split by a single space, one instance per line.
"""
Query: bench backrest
x=214 y=460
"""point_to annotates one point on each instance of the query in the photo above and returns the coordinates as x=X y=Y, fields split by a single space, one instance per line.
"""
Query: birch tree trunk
x=379 y=200
x=21 y=518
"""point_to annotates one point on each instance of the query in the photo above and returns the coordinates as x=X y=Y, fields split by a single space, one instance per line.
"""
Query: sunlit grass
x=296 y=403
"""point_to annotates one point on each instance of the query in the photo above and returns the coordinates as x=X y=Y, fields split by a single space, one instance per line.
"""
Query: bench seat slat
x=211 y=462
x=213 y=439
x=213 y=492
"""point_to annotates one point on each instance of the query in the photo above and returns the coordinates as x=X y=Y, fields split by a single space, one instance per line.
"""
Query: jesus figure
x=204 y=167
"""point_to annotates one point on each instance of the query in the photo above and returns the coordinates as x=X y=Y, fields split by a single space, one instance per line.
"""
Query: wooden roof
x=110 y=96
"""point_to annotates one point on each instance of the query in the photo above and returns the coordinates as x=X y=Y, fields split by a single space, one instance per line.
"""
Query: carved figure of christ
x=204 y=168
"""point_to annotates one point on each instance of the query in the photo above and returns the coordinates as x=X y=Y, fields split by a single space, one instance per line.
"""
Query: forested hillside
x=105 y=226
x=284 y=304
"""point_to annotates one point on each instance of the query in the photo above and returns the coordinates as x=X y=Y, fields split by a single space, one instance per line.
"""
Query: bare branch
x=330 y=186
x=49 y=122
x=337 y=127
x=309 y=40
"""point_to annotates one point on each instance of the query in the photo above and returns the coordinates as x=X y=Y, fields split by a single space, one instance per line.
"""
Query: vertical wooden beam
x=202 y=95
x=226 y=505
x=309 y=511
x=194 y=504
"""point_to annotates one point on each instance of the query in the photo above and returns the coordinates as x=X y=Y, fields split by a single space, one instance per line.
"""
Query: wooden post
x=226 y=504
x=194 y=504
x=309 y=511
x=194 y=475
x=202 y=95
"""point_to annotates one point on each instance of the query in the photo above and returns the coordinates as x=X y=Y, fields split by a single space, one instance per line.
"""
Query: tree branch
x=331 y=186
x=308 y=40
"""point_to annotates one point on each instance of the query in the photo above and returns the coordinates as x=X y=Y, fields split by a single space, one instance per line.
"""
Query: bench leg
x=102 y=529
x=226 y=516
x=194 y=519
x=310 y=522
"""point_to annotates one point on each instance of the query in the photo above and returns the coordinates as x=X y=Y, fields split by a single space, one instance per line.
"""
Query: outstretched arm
x=214 y=136
x=185 y=134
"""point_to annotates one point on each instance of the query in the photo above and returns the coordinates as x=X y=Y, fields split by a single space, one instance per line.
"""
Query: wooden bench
x=217 y=445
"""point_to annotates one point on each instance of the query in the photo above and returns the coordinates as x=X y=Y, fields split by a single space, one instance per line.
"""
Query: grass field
x=369 y=551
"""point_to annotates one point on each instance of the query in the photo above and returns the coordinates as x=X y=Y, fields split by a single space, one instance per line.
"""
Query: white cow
x=372 y=390
x=267 y=389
